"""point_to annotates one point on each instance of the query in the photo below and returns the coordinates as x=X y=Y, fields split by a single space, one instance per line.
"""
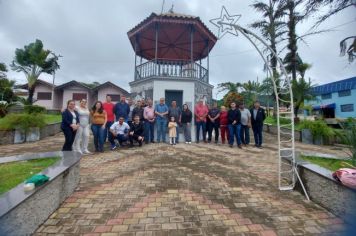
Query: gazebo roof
x=174 y=37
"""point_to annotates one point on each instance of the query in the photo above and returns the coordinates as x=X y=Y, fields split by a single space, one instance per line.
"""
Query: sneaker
x=260 y=147
x=239 y=146
x=186 y=142
x=190 y=142
x=152 y=141
x=87 y=152
x=230 y=145
x=113 y=147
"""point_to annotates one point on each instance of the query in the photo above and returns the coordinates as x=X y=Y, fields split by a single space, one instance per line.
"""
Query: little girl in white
x=172 y=126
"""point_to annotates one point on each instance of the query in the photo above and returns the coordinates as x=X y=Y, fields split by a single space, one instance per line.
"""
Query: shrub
x=22 y=121
x=348 y=137
x=318 y=128
x=34 y=109
x=4 y=108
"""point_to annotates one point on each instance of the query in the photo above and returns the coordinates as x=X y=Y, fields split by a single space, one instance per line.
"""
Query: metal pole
x=207 y=73
x=53 y=78
x=135 y=73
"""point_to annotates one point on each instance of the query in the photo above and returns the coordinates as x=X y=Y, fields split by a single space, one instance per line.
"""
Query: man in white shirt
x=120 y=131
x=245 y=124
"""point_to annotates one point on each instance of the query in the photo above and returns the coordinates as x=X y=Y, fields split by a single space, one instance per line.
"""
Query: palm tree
x=271 y=26
x=33 y=60
x=301 y=88
x=229 y=87
x=267 y=90
x=250 y=92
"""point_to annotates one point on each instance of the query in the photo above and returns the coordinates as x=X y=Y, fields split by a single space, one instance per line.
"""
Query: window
x=345 y=93
x=44 y=96
x=114 y=97
x=79 y=96
x=347 y=108
x=326 y=96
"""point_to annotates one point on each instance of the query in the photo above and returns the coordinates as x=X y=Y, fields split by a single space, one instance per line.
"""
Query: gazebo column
x=156 y=50
x=135 y=48
x=207 y=67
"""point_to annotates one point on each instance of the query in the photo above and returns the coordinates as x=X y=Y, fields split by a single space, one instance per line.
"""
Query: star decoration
x=225 y=23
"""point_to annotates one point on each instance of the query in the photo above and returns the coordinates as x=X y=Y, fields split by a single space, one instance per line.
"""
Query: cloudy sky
x=91 y=35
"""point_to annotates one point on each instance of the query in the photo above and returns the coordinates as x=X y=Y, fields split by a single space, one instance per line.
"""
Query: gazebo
x=170 y=50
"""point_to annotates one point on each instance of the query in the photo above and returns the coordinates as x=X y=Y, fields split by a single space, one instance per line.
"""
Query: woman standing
x=70 y=124
x=98 y=118
x=223 y=124
x=82 y=137
x=186 y=121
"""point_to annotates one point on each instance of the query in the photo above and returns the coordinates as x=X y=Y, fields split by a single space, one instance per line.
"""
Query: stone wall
x=327 y=192
x=25 y=217
x=8 y=136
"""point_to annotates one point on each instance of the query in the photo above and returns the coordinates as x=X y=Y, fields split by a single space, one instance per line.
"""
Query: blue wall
x=338 y=101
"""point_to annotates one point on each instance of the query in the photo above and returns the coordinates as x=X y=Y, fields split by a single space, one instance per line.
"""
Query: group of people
x=124 y=123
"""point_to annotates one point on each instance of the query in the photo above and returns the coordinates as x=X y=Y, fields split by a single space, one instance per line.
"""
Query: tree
x=301 y=88
x=232 y=97
x=267 y=90
x=351 y=51
x=229 y=87
x=33 y=60
x=3 y=69
x=251 y=91
x=91 y=85
x=335 y=6
x=272 y=26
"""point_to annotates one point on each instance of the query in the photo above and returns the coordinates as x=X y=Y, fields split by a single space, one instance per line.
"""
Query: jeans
x=108 y=134
x=98 y=133
x=69 y=135
x=161 y=130
x=213 y=126
x=149 y=131
x=245 y=134
x=202 y=125
x=121 y=138
x=257 y=133
x=234 y=131
x=187 y=127
x=177 y=132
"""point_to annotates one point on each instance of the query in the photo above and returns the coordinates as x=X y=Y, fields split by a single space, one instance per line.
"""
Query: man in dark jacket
x=136 y=131
x=122 y=109
x=258 y=115
x=138 y=111
x=234 y=124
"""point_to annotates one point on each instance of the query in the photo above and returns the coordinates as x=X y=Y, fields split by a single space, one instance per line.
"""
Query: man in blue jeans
x=258 y=115
x=161 y=111
x=234 y=124
x=120 y=131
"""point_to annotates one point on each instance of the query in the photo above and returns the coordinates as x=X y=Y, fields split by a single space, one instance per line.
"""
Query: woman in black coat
x=70 y=124
x=186 y=120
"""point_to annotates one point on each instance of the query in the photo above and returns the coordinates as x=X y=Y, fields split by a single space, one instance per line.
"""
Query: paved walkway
x=203 y=189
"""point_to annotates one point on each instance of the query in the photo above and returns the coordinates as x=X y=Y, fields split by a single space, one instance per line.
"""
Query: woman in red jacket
x=223 y=124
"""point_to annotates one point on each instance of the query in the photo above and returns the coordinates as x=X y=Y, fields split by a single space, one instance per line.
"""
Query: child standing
x=172 y=126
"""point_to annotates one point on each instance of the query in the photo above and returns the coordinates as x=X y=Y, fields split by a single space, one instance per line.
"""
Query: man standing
x=245 y=124
x=161 y=111
x=122 y=109
x=120 y=131
x=213 y=115
x=234 y=117
x=132 y=106
x=200 y=112
x=136 y=131
x=138 y=110
x=149 y=117
x=176 y=112
x=108 y=106
x=257 y=118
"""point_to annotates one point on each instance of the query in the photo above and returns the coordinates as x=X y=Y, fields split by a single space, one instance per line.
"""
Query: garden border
x=21 y=213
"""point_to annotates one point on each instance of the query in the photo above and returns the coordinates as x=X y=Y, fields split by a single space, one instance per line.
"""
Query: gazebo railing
x=173 y=69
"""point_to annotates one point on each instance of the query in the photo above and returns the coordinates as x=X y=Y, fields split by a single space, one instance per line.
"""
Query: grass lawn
x=328 y=163
x=14 y=173
x=49 y=119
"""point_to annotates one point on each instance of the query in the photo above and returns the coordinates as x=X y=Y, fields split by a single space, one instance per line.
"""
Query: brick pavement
x=187 y=190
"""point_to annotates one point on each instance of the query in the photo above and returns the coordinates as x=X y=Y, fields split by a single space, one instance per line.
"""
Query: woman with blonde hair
x=224 y=124
x=81 y=140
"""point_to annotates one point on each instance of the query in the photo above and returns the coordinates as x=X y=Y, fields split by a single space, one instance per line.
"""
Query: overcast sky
x=91 y=35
